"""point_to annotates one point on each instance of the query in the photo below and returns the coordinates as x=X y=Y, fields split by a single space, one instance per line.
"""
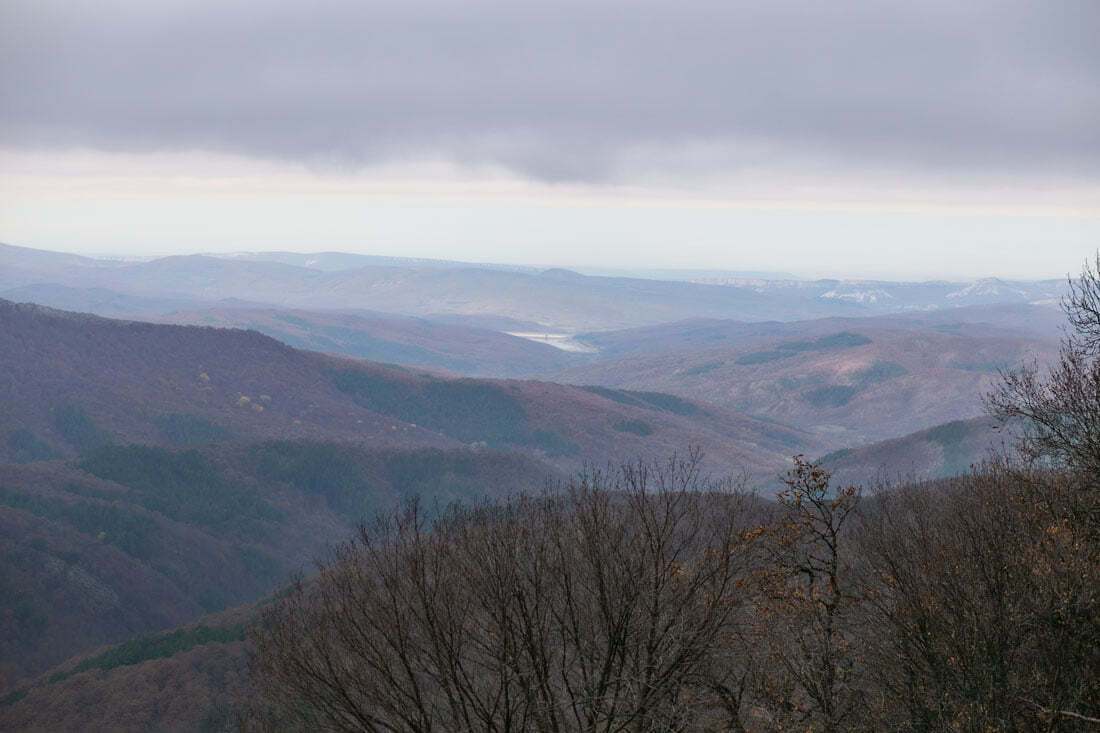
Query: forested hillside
x=943 y=451
x=910 y=610
x=850 y=382
x=133 y=539
x=416 y=342
x=74 y=382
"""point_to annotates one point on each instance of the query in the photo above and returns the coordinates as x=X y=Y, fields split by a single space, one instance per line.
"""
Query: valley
x=527 y=367
x=172 y=456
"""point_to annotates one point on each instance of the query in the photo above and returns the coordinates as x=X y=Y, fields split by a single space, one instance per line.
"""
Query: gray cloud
x=567 y=90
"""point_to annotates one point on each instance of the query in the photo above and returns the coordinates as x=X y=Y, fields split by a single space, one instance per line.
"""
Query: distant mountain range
x=457 y=348
x=926 y=351
x=556 y=299
x=332 y=261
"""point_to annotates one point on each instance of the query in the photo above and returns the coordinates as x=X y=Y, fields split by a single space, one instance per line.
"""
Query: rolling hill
x=188 y=678
x=938 y=452
x=155 y=473
x=849 y=381
x=405 y=340
x=132 y=539
x=104 y=302
x=195 y=675
x=73 y=382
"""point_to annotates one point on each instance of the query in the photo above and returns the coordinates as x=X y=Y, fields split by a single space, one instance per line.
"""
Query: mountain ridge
x=74 y=381
x=575 y=303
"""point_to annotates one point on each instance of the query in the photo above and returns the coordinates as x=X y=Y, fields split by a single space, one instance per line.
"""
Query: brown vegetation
x=595 y=607
x=627 y=604
x=1059 y=408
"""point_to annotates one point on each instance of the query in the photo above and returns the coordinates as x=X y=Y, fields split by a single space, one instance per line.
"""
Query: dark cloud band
x=567 y=90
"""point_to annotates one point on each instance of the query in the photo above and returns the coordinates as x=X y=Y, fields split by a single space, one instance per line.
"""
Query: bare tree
x=985 y=606
x=810 y=676
x=1057 y=410
x=1083 y=307
x=647 y=599
x=596 y=609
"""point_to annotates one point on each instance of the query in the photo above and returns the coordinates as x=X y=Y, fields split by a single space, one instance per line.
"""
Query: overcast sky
x=876 y=138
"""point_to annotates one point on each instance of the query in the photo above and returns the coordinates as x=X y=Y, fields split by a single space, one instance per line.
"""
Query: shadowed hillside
x=131 y=539
x=945 y=450
x=930 y=548
x=73 y=382
x=187 y=678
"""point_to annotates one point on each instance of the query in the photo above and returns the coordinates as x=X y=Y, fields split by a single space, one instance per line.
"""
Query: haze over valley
x=435 y=367
x=133 y=385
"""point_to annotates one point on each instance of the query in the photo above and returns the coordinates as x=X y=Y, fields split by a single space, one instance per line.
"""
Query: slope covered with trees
x=72 y=382
x=956 y=606
x=132 y=539
x=850 y=382
x=943 y=451
x=645 y=597
x=416 y=342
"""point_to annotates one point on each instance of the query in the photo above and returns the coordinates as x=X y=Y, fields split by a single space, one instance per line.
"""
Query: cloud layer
x=581 y=91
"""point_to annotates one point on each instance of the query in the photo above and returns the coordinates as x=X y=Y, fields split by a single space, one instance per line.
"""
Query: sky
x=871 y=138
